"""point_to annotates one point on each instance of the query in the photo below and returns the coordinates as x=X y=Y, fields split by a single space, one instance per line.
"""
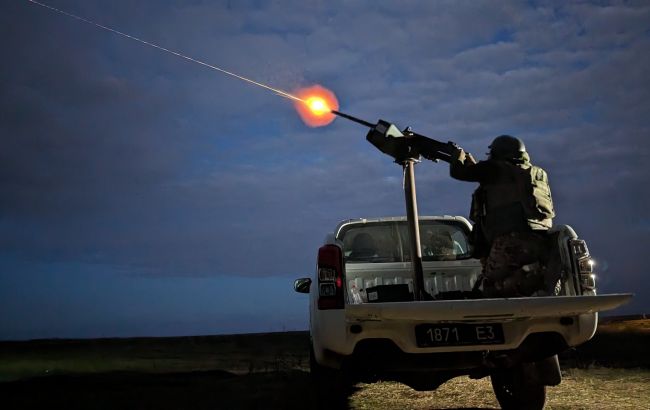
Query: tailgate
x=486 y=309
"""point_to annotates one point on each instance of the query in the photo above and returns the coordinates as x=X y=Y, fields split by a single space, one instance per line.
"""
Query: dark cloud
x=119 y=155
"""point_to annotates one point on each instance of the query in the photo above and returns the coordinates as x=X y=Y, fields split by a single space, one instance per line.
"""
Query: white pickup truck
x=365 y=324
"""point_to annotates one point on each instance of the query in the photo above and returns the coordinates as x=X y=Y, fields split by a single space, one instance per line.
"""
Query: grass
x=269 y=371
x=239 y=354
x=593 y=389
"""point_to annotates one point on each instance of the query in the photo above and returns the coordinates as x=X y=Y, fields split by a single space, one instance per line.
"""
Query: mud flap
x=545 y=372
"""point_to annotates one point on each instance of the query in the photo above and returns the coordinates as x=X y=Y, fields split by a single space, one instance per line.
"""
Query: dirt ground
x=271 y=372
x=598 y=388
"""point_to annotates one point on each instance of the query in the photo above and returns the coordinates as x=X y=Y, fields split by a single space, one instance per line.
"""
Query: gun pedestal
x=414 y=229
x=390 y=140
x=406 y=149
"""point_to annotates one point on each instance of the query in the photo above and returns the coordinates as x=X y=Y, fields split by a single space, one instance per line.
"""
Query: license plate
x=458 y=334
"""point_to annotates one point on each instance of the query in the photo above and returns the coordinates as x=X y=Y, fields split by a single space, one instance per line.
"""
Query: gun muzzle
x=351 y=118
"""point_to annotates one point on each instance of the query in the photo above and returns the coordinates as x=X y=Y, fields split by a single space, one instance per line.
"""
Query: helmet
x=507 y=147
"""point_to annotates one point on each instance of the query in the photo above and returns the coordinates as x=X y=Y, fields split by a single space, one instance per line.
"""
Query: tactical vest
x=539 y=209
x=519 y=200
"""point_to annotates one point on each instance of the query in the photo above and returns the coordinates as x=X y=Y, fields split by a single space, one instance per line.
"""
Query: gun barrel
x=354 y=119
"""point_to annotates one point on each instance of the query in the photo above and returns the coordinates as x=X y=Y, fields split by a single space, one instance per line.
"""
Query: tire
x=514 y=394
x=330 y=388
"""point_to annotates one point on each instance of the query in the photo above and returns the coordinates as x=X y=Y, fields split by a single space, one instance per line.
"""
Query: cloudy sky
x=142 y=194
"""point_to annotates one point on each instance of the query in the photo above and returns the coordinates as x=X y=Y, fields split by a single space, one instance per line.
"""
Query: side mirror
x=302 y=285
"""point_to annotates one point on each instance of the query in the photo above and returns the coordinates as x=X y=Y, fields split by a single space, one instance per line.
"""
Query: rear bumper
x=336 y=333
x=377 y=356
x=392 y=343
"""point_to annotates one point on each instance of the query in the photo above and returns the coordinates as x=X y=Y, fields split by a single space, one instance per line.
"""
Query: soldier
x=512 y=210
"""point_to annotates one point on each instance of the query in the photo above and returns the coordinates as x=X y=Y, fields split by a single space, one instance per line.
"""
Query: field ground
x=270 y=371
x=596 y=388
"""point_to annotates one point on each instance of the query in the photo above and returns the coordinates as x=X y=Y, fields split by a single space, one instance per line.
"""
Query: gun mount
x=406 y=147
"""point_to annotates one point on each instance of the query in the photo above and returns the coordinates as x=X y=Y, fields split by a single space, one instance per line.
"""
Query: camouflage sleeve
x=482 y=171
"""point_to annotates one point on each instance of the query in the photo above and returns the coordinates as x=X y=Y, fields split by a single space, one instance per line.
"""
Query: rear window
x=389 y=241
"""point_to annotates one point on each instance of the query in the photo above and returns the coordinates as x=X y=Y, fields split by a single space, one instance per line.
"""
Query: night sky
x=141 y=194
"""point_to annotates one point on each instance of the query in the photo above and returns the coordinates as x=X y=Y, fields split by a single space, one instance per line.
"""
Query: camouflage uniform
x=513 y=267
x=512 y=210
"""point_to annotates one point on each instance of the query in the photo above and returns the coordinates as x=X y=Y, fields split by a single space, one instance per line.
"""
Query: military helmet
x=507 y=147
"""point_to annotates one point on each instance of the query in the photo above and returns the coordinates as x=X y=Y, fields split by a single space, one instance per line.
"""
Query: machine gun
x=402 y=145
x=406 y=147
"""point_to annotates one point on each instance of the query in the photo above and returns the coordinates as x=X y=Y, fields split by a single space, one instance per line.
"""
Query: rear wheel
x=514 y=393
x=330 y=388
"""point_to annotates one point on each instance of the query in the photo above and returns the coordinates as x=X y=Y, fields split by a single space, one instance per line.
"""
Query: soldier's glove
x=458 y=154
x=463 y=157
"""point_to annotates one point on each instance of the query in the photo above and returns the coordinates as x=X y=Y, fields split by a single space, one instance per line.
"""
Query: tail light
x=330 y=277
x=584 y=264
